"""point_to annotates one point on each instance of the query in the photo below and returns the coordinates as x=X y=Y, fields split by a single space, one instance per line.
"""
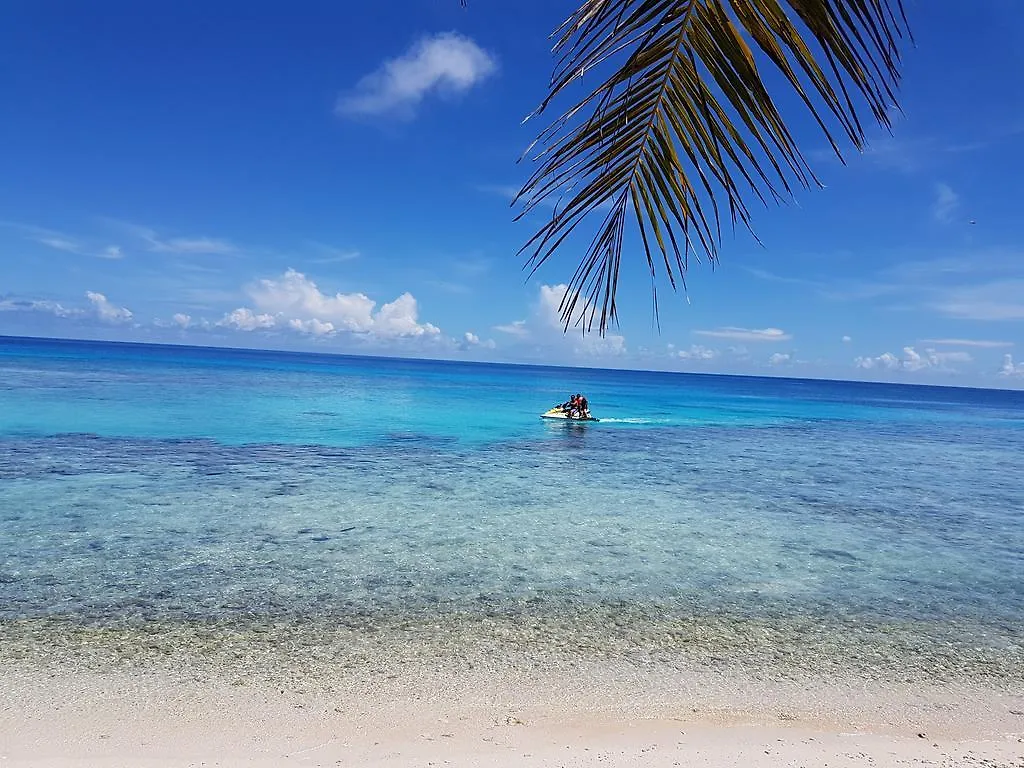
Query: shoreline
x=449 y=694
x=288 y=648
x=590 y=713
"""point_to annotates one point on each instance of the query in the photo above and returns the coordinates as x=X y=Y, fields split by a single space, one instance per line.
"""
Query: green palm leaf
x=683 y=124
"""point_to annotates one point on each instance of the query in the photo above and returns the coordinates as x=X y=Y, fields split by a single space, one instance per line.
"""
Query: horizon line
x=176 y=345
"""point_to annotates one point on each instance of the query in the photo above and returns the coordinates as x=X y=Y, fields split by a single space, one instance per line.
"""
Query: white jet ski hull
x=558 y=413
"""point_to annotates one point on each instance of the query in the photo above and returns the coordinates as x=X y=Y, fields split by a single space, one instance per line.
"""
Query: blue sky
x=338 y=179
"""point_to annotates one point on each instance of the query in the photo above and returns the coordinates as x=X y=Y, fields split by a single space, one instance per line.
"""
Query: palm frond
x=683 y=126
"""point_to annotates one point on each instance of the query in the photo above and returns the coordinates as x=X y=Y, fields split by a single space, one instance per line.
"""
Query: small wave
x=635 y=420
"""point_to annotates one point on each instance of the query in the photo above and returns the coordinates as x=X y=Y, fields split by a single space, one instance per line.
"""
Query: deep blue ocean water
x=188 y=484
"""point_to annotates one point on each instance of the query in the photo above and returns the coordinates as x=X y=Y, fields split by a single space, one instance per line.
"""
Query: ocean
x=153 y=490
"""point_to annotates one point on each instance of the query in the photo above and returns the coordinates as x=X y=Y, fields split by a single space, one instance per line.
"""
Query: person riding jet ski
x=577 y=407
x=584 y=406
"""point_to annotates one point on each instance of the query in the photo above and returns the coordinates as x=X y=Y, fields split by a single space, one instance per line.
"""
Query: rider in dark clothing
x=570 y=406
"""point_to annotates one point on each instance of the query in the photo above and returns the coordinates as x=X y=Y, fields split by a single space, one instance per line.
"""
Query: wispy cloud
x=330 y=254
x=154 y=242
x=780 y=358
x=946 y=203
x=697 y=352
x=447 y=63
x=449 y=287
x=980 y=343
x=747 y=334
x=471 y=267
x=984 y=284
x=203 y=296
x=556 y=199
x=996 y=300
x=772 y=277
x=860 y=290
x=38 y=305
x=59 y=243
x=912 y=154
x=955 y=268
x=98 y=308
x=67 y=243
x=506 y=191
x=191 y=245
x=906 y=155
x=187 y=245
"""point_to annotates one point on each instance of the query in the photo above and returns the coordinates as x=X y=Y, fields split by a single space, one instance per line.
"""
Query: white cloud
x=981 y=343
x=697 y=352
x=244 y=319
x=946 y=203
x=471 y=340
x=887 y=360
x=592 y=345
x=294 y=295
x=747 y=334
x=1009 y=369
x=550 y=317
x=551 y=297
x=111 y=252
x=312 y=326
x=182 y=320
x=847 y=339
x=913 y=360
x=780 y=358
x=445 y=63
x=399 y=318
x=545 y=327
x=106 y=311
x=515 y=328
x=296 y=302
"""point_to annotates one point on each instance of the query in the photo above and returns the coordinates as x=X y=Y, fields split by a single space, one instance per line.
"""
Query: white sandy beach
x=593 y=714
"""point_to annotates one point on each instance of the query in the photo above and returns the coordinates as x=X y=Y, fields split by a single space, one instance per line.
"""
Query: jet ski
x=558 y=412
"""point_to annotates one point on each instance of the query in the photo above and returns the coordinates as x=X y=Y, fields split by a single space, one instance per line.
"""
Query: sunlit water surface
x=158 y=486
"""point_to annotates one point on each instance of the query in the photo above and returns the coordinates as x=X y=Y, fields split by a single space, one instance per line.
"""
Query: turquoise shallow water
x=186 y=485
